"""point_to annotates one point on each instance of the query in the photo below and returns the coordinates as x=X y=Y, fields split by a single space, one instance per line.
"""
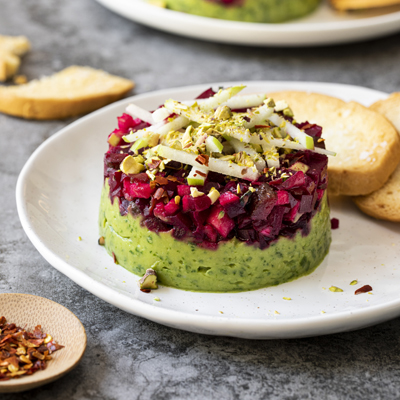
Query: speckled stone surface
x=131 y=358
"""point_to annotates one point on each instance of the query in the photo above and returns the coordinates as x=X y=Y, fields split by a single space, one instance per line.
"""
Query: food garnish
x=335 y=289
x=364 y=289
x=334 y=223
x=23 y=352
x=149 y=280
x=234 y=143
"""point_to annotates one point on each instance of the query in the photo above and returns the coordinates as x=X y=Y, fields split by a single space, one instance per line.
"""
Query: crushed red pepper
x=161 y=180
x=153 y=164
x=201 y=174
x=364 y=289
x=203 y=159
x=23 y=352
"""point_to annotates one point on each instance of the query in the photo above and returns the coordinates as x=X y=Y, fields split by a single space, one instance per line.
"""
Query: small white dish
x=323 y=27
x=58 y=194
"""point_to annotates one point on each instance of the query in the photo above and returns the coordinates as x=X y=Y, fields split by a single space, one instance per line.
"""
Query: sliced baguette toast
x=9 y=64
x=72 y=91
x=344 y=5
x=367 y=144
x=18 y=45
x=384 y=203
x=11 y=49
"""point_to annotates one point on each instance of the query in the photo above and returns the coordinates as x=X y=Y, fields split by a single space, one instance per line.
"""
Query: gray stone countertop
x=129 y=357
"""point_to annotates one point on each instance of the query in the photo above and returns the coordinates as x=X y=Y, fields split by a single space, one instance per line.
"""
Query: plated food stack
x=270 y=11
x=225 y=193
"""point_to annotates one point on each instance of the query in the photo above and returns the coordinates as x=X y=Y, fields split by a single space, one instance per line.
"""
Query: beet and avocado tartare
x=264 y=11
x=223 y=193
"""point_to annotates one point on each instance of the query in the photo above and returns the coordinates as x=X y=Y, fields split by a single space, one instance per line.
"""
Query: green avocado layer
x=264 y=11
x=233 y=267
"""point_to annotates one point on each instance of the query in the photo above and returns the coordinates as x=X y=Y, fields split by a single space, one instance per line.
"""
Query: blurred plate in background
x=323 y=27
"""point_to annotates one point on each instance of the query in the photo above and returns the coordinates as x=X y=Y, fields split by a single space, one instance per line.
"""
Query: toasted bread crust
x=384 y=203
x=367 y=144
x=73 y=91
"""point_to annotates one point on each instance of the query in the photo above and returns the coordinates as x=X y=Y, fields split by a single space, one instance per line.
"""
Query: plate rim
x=162 y=315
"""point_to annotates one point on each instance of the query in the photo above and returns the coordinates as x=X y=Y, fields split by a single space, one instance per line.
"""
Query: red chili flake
x=153 y=184
x=203 y=159
x=115 y=258
x=23 y=352
x=364 y=289
x=153 y=164
x=159 y=193
x=145 y=290
x=334 y=223
x=161 y=180
x=262 y=126
x=201 y=173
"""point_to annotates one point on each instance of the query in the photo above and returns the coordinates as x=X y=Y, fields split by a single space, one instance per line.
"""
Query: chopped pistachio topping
x=213 y=195
x=335 y=289
x=194 y=192
x=299 y=166
x=149 y=280
x=132 y=165
x=236 y=144
x=352 y=283
x=223 y=113
x=270 y=102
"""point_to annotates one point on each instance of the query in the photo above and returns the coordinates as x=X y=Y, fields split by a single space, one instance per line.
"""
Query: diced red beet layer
x=276 y=206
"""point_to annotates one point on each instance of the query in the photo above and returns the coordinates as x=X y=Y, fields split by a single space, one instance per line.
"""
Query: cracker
x=18 y=45
x=367 y=144
x=384 y=203
x=72 y=91
x=361 y=4
x=11 y=49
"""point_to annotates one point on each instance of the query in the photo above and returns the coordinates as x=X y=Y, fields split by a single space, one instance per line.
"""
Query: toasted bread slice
x=18 y=45
x=361 y=4
x=72 y=91
x=384 y=203
x=11 y=48
x=367 y=144
x=9 y=64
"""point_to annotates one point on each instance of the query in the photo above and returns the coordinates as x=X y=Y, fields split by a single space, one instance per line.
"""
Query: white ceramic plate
x=58 y=195
x=325 y=26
